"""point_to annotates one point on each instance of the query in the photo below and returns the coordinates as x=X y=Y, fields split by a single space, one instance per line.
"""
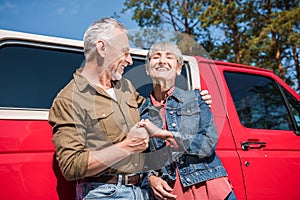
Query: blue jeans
x=94 y=190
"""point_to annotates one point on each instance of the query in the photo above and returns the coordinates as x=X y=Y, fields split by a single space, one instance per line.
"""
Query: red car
x=256 y=113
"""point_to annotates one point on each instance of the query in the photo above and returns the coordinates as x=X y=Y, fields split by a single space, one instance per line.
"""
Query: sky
x=63 y=18
x=59 y=18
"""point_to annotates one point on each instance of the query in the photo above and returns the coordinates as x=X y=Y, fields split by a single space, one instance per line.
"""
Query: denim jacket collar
x=178 y=95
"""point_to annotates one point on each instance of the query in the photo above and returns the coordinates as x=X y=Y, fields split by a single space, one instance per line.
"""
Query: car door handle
x=252 y=145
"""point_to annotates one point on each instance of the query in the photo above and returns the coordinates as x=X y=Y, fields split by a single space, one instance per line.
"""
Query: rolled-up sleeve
x=68 y=138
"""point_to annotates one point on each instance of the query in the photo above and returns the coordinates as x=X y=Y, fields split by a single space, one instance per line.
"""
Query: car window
x=32 y=75
x=258 y=101
x=294 y=107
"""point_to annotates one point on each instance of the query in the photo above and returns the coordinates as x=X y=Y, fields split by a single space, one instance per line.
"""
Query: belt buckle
x=129 y=175
x=126 y=180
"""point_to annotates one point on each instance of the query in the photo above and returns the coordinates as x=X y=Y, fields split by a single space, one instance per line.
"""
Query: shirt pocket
x=132 y=103
x=106 y=125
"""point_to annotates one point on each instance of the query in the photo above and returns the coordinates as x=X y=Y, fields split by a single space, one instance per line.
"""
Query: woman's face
x=163 y=65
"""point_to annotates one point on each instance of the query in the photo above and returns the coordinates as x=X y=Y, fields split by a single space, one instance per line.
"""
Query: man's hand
x=160 y=188
x=136 y=140
x=206 y=97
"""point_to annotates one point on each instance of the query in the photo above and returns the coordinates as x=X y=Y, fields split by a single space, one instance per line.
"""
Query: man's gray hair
x=165 y=46
x=104 y=29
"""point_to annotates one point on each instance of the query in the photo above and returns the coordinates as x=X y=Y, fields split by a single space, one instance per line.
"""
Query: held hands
x=136 y=140
x=156 y=132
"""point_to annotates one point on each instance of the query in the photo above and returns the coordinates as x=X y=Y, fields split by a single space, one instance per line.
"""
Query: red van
x=256 y=113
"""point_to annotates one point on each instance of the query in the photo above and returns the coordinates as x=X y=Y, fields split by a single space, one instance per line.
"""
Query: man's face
x=163 y=65
x=118 y=55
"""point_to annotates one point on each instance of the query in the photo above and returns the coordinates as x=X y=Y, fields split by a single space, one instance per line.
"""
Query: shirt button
x=171 y=112
x=181 y=162
x=188 y=180
x=174 y=124
x=188 y=111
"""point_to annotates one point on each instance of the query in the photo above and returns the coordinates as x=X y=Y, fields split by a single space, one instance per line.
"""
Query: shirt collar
x=157 y=103
x=83 y=84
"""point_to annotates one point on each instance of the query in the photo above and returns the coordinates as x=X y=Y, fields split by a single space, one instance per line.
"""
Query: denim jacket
x=189 y=119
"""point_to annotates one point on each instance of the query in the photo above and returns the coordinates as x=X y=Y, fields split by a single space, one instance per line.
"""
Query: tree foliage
x=263 y=33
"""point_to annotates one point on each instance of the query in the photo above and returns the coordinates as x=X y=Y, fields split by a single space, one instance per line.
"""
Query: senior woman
x=184 y=126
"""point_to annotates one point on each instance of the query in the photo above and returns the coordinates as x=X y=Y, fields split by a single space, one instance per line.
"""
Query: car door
x=265 y=120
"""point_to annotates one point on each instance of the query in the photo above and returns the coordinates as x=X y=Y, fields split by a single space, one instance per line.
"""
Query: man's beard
x=114 y=73
x=115 y=76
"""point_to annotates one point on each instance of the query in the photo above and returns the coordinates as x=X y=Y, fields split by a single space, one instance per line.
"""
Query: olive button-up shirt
x=86 y=118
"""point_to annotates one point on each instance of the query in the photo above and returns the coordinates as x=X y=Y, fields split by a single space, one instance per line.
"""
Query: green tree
x=232 y=18
x=261 y=33
x=276 y=38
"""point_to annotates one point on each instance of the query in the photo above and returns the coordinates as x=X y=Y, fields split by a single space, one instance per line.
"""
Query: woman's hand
x=156 y=132
x=153 y=130
x=206 y=97
x=160 y=188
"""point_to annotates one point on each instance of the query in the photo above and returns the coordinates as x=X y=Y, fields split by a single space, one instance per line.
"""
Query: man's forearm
x=104 y=158
x=135 y=142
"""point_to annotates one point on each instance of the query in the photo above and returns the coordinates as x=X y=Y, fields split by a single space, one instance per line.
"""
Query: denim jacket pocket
x=189 y=118
x=189 y=109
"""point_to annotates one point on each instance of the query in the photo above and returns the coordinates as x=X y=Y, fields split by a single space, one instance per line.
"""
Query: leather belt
x=127 y=179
